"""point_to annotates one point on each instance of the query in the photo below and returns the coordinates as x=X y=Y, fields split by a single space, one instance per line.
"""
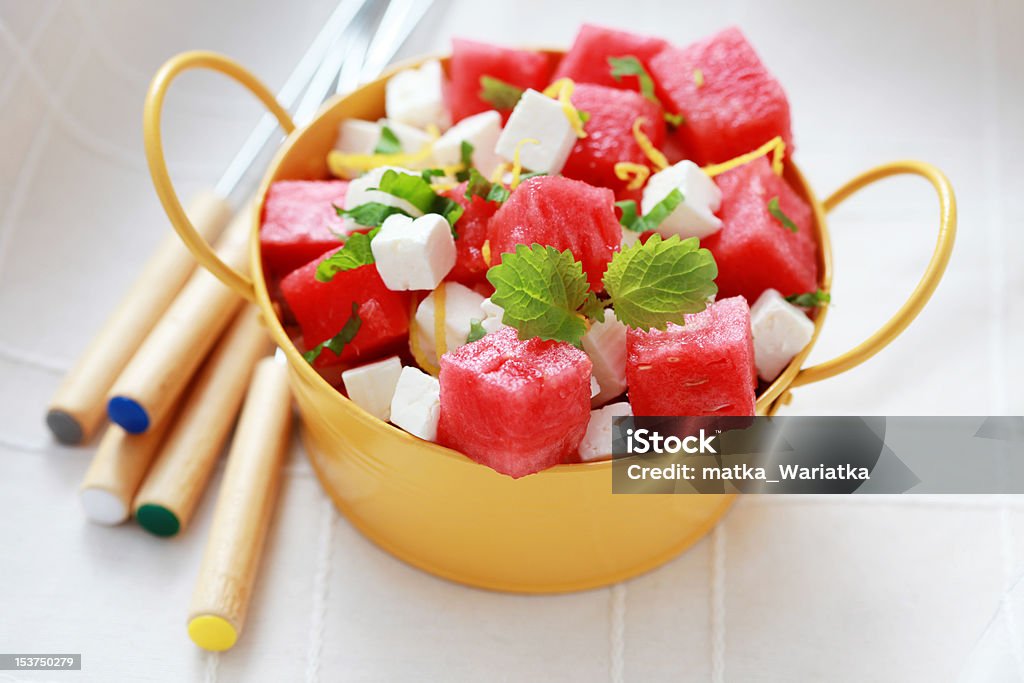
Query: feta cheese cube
x=481 y=131
x=695 y=216
x=493 y=314
x=461 y=307
x=595 y=388
x=360 y=191
x=413 y=254
x=372 y=386
x=597 y=442
x=781 y=330
x=416 y=404
x=540 y=118
x=605 y=343
x=416 y=96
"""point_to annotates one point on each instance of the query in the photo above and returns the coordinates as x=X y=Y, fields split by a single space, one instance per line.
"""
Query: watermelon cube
x=322 y=309
x=562 y=213
x=470 y=268
x=587 y=59
x=298 y=220
x=516 y=406
x=472 y=60
x=705 y=367
x=733 y=106
x=754 y=250
x=609 y=134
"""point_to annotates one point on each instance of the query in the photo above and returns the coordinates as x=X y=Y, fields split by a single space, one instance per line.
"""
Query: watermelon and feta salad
x=530 y=245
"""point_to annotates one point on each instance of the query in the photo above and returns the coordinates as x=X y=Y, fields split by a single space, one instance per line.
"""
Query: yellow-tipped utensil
x=145 y=392
x=79 y=406
x=245 y=505
x=176 y=481
x=116 y=471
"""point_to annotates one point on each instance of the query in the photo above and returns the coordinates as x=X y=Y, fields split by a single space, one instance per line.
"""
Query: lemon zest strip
x=776 y=145
x=485 y=252
x=517 y=164
x=652 y=152
x=440 y=338
x=562 y=90
x=635 y=174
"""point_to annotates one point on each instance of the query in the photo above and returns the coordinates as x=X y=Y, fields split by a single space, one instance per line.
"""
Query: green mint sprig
x=388 y=142
x=418 y=191
x=545 y=293
x=355 y=253
x=628 y=65
x=632 y=220
x=810 y=299
x=499 y=94
x=776 y=211
x=338 y=342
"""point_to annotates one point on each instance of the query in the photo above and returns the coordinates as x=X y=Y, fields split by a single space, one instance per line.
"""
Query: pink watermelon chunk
x=470 y=60
x=470 y=268
x=705 y=367
x=516 y=406
x=322 y=309
x=754 y=251
x=609 y=134
x=739 y=106
x=298 y=219
x=587 y=59
x=562 y=213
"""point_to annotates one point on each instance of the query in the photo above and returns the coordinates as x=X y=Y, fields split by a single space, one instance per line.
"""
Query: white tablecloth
x=795 y=588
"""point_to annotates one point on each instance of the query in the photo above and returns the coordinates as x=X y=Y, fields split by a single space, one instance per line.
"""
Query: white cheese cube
x=356 y=136
x=595 y=388
x=605 y=343
x=416 y=96
x=372 y=386
x=360 y=191
x=781 y=330
x=461 y=307
x=543 y=119
x=417 y=403
x=597 y=442
x=413 y=254
x=695 y=216
x=493 y=314
x=481 y=131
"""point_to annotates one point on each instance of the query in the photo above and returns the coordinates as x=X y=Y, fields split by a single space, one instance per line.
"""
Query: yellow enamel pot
x=557 y=530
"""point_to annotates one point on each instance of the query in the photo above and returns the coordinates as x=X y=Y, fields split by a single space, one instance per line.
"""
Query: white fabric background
x=798 y=588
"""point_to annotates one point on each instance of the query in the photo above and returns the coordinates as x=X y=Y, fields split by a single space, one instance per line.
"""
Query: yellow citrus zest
x=499 y=173
x=341 y=164
x=776 y=146
x=561 y=90
x=652 y=152
x=485 y=252
x=517 y=164
x=698 y=78
x=636 y=174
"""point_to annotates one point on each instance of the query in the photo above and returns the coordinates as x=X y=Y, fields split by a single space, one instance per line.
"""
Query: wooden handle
x=117 y=469
x=80 y=403
x=243 y=512
x=177 y=479
x=161 y=369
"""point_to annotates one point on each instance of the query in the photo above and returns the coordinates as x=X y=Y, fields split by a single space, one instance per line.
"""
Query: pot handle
x=153 y=138
x=929 y=281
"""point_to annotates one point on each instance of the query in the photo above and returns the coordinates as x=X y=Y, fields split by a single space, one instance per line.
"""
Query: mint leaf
x=655 y=283
x=388 y=142
x=338 y=342
x=465 y=160
x=584 y=115
x=479 y=186
x=354 y=254
x=542 y=291
x=776 y=211
x=412 y=188
x=632 y=220
x=629 y=65
x=370 y=214
x=674 y=119
x=429 y=174
x=498 y=93
x=476 y=331
x=417 y=191
x=810 y=299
